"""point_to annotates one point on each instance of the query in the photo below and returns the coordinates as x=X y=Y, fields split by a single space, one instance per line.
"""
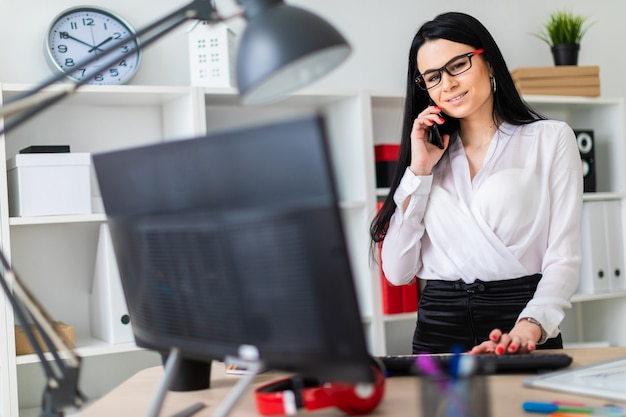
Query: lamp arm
x=61 y=389
x=28 y=104
x=22 y=318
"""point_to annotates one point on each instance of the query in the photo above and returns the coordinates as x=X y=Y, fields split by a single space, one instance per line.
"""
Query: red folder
x=409 y=297
x=391 y=295
x=397 y=299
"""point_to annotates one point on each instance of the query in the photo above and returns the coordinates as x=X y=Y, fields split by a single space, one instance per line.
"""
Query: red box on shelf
x=386 y=156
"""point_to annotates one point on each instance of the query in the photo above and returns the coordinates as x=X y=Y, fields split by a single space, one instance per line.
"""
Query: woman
x=491 y=222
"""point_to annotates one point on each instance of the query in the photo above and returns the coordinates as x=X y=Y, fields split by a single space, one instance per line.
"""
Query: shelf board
x=85 y=348
x=603 y=196
x=108 y=95
x=389 y=318
x=597 y=196
x=569 y=100
x=74 y=218
x=352 y=204
x=579 y=298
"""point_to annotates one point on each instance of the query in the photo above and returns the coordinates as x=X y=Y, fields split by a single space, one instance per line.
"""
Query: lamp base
x=191 y=375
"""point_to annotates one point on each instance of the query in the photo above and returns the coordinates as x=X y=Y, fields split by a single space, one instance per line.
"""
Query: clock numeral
x=88 y=21
x=113 y=72
x=98 y=77
x=73 y=25
x=122 y=63
x=117 y=35
x=69 y=62
x=62 y=49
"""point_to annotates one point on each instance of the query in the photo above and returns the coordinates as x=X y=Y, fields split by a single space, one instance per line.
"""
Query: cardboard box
x=49 y=184
x=23 y=347
x=557 y=71
x=560 y=80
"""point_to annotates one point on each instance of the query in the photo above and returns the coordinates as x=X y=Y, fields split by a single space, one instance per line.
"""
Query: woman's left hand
x=521 y=339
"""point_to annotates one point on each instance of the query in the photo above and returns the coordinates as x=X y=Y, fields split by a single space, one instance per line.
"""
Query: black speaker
x=586 y=147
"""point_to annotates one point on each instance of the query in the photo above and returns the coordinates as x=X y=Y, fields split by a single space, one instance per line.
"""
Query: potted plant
x=563 y=33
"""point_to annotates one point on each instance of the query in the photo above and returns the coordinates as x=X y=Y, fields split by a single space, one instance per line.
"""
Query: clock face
x=82 y=34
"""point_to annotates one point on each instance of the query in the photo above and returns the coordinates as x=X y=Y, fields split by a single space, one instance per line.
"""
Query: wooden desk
x=402 y=394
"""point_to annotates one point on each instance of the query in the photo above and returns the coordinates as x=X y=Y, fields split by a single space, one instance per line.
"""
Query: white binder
x=109 y=313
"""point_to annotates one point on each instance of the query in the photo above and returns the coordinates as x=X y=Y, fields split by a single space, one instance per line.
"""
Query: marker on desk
x=551 y=408
x=453 y=367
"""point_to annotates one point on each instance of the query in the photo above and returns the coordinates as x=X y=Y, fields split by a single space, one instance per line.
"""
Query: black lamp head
x=282 y=49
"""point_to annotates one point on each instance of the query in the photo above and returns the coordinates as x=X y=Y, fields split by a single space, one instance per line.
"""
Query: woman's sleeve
x=400 y=254
x=562 y=259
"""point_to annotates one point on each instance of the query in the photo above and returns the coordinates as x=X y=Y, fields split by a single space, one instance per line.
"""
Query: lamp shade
x=282 y=49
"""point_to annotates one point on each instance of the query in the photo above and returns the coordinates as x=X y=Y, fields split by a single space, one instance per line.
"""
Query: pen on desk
x=191 y=410
x=453 y=367
x=559 y=414
x=551 y=408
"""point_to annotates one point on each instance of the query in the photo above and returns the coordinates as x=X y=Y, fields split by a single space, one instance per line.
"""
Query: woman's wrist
x=544 y=334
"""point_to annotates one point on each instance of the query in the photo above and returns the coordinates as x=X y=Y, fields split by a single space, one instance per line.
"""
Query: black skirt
x=453 y=314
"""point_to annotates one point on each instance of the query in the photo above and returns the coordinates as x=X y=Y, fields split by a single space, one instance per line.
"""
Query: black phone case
x=434 y=136
x=436 y=131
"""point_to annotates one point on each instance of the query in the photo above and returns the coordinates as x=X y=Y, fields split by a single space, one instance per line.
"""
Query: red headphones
x=286 y=396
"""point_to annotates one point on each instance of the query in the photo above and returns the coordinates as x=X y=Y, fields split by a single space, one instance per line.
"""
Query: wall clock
x=80 y=33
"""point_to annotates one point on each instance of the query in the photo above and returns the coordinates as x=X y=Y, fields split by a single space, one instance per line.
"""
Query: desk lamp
x=282 y=49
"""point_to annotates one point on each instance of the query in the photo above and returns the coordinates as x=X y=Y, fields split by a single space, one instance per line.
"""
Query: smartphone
x=434 y=136
x=436 y=131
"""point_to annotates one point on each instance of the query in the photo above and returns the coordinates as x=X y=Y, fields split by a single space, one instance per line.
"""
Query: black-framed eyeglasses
x=456 y=66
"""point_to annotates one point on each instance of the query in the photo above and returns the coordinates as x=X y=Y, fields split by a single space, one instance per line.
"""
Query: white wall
x=380 y=32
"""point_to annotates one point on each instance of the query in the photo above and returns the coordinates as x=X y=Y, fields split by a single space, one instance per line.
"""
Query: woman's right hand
x=425 y=155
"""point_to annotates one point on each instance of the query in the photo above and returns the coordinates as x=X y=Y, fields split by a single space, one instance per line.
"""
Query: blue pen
x=549 y=408
x=453 y=367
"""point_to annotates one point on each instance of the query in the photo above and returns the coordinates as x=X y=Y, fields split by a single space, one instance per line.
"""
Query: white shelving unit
x=55 y=255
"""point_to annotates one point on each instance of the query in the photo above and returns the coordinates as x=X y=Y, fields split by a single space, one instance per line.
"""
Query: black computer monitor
x=236 y=239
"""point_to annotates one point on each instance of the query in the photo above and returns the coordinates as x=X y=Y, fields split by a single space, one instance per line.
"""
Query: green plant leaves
x=564 y=27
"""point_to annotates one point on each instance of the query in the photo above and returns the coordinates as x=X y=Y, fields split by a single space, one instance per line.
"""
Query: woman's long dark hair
x=507 y=104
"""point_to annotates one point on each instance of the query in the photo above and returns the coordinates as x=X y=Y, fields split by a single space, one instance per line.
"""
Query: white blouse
x=519 y=216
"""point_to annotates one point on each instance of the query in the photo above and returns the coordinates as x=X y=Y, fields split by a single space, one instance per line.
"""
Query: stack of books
x=560 y=80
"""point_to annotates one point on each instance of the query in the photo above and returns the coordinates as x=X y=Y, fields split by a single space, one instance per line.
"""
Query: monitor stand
x=248 y=357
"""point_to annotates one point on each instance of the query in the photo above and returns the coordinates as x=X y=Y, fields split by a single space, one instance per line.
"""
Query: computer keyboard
x=485 y=363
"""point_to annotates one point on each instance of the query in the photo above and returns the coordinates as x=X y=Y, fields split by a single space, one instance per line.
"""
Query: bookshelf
x=55 y=255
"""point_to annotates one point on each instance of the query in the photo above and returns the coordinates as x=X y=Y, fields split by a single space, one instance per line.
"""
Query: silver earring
x=493 y=83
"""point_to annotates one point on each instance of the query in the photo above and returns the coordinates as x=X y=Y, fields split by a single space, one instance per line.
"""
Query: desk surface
x=402 y=395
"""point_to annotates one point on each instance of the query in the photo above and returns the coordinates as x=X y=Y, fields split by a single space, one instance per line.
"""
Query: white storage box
x=46 y=184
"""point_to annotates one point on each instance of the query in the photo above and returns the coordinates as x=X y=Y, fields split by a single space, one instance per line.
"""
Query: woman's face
x=465 y=95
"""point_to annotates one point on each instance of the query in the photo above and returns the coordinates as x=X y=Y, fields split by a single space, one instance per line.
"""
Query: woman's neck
x=477 y=133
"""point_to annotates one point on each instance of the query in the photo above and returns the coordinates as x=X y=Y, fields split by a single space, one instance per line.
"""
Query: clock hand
x=66 y=35
x=110 y=38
